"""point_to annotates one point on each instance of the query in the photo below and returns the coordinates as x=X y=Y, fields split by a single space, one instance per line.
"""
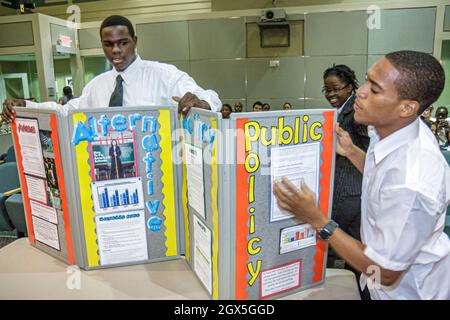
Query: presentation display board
x=201 y=186
x=100 y=185
x=119 y=186
x=238 y=242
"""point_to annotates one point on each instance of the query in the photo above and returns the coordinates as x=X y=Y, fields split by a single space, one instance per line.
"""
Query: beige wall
x=98 y=10
x=211 y=45
x=215 y=52
x=219 y=5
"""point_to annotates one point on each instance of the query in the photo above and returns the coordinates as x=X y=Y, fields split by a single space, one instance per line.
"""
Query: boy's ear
x=409 y=108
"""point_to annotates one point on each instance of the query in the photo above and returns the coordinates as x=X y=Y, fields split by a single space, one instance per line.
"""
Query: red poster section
x=62 y=188
x=325 y=181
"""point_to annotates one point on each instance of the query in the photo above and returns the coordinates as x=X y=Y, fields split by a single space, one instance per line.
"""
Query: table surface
x=28 y=273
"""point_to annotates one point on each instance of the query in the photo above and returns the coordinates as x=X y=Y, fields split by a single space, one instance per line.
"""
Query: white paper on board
x=281 y=279
x=36 y=188
x=297 y=237
x=44 y=212
x=202 y=253
x=30 y=146
x=46 y=232
x=121 y=237
x=294 y=163
x=195 y=182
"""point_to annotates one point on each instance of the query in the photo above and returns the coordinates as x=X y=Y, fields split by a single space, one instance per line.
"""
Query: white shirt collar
x=339 y=110
x=130 y=71
x=382 y=148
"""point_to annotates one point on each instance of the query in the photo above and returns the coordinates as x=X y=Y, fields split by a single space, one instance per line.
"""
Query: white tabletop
x=28 y=273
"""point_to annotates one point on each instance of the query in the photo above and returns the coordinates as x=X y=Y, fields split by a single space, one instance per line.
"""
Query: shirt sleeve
x=75 y=103
x=404 y=223
x=183 y=83
x=48 y=105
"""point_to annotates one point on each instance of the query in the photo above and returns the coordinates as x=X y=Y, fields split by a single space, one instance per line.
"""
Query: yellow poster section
x=184 y=199
x=215 y=213
x=87 y=205
x=167 y=180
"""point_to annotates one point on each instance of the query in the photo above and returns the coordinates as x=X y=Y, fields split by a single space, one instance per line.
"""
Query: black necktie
x=117 y=95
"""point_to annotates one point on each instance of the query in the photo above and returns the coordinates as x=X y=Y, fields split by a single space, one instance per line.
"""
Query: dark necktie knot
x=116 y=99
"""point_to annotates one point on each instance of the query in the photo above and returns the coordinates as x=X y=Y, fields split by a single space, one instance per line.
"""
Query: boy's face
x=226 y=111
x=427 y=112
x=441 y=113
x=118 y=46
x=377 y=102
x=257 y=108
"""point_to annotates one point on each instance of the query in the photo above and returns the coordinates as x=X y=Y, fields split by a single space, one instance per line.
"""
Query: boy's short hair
x=117 y=21
x=421 y=78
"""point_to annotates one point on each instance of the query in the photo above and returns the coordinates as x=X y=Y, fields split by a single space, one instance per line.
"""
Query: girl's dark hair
x=344 y=73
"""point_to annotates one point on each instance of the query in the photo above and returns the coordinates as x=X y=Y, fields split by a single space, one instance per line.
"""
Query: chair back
x=10 y=155
x=9 y=177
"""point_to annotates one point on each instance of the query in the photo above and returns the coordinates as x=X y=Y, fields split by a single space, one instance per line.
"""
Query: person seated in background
x=257 y=106
x=442 y=127
x=67 y=91
x=426 y=116
x=266 y=107
x=226 y=111
x=447 y=145
x=441 y=115
x=339 y=87
x=433 y=128
x=287 y=106
x=238 y=107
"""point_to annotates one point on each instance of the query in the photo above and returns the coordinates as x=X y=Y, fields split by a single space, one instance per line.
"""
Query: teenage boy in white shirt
x=132 y=81
x=406 y=185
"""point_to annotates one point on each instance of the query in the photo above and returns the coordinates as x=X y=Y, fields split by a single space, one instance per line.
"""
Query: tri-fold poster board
x=111 y=187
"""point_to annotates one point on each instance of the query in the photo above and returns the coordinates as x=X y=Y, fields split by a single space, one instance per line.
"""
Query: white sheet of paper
x=117 y=195
x=297 y=237
x=121 y=237
x=294 y=163
x=36 y=188
x=46 y=232
x=202 y=253
x=280 y=279
x=30 y=146
x=194 y=169
x=44 y=212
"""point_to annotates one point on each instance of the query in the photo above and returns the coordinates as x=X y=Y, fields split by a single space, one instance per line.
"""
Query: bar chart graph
x=126 y=195
x=297 y=237
x=115 y=199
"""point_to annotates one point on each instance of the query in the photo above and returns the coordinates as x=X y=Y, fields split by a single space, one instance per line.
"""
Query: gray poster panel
x=159 y=179
x=264 y=254
x=202 y=131
x=267 y=232
x=139 y=162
